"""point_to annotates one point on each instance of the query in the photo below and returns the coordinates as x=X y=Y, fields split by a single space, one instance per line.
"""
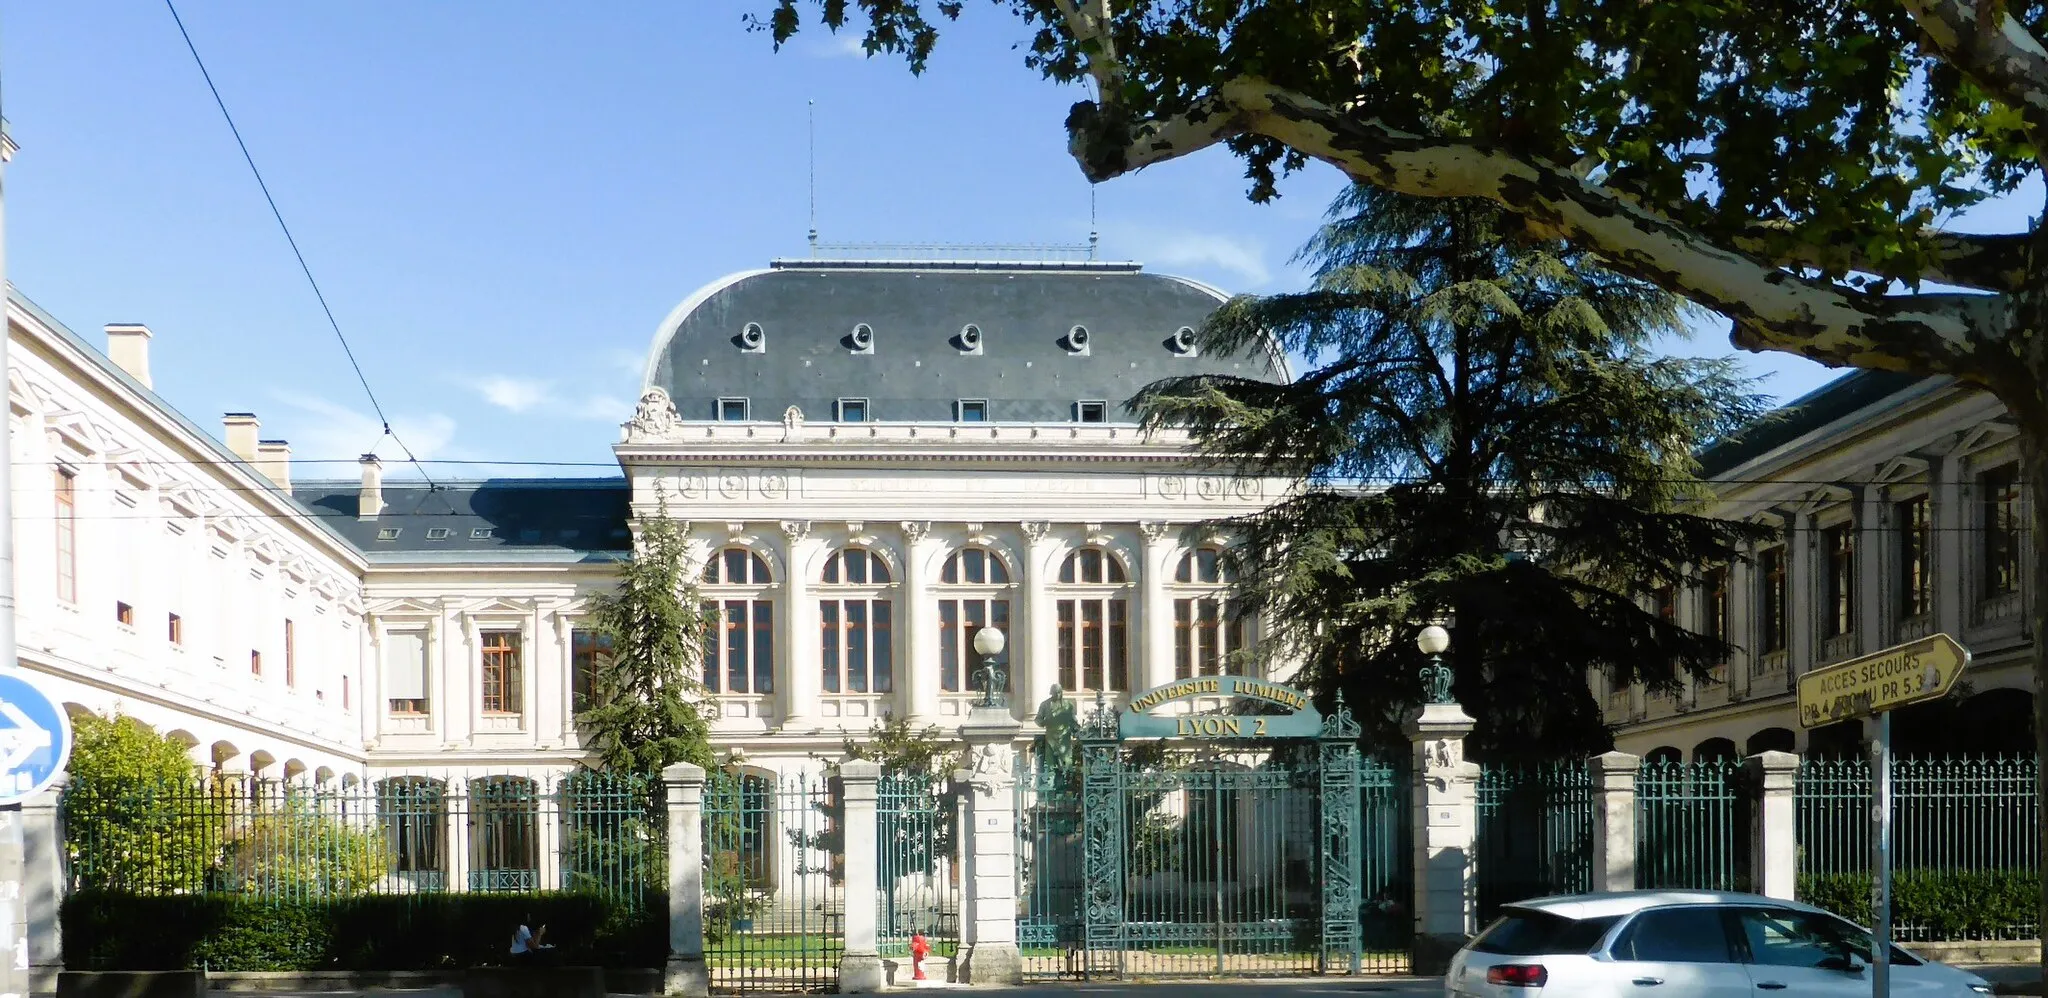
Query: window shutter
x=405 y=665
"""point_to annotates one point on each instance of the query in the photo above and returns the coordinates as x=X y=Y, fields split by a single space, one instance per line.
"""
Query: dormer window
x=732 y=410
x=388 y=533
x=971 y=411
x=1091 y=412
x=438 y=533
x=853 y=410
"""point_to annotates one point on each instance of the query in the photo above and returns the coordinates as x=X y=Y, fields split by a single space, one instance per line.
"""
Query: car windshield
x=1526 y=932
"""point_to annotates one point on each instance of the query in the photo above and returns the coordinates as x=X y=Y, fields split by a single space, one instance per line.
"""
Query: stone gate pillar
x=1774 y=825
x=988 y=923
x=860 y=965
x=1614 y=821
x=1446 y=826
x=42 y=885
x=686 y=973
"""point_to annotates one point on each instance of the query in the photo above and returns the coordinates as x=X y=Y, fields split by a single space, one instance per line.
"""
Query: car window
x=1534 y=933
x=1675 y=935
x=1781 y=938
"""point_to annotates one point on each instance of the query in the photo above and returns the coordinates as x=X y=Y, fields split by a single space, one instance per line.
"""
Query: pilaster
x=988 y=924
x=1155 y=614
x=1802 y=598
x=1445 y=834
x=1614 y=821
x=1872 y=571
x=1742 y=633
x=685 y=973
x=1030 y=681
x=1951 y=581
x=921 y=673
x=802 y=685
x=1774 y=825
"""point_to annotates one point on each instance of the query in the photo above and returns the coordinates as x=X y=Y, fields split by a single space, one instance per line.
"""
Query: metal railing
x=1535 y=834
x=917 y=868
x=1692 y=825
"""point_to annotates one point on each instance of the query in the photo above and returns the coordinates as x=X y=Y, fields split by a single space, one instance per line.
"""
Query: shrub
x=1940 y=904
x=110 y=930
x=136 y=815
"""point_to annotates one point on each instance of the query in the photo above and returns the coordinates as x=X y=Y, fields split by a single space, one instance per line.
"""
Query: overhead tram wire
x=304 y=268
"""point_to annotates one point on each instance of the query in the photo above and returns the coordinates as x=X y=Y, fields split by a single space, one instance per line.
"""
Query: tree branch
x=1985 y=261
x=1088 y=22
x=1772 y=309
x=2004 y=58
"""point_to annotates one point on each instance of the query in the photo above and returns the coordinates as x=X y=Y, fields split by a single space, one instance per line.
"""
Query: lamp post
x=1436 y=676
x=988 y=643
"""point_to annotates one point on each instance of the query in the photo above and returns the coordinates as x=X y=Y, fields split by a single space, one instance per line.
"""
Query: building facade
x=1899 y=514
x=871 y=460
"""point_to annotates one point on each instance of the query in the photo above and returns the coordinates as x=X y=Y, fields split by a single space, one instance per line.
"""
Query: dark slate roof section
x=499 y=516
x=1832 y=401
x=807 y=311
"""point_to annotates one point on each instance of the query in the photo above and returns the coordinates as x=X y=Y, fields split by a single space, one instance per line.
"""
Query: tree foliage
x=135 y=817
x=299 y=850
x=1486 y=437
x=643 y=713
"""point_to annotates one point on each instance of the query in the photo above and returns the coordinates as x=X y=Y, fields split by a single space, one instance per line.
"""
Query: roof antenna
x=811 y=126
x=1094 y=236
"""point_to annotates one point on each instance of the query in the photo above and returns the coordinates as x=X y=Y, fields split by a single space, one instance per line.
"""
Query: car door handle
x=1648 y=982
x=1770 y=986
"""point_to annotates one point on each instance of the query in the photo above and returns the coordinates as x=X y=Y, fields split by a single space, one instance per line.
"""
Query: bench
x=131 y=984
x=533 y=982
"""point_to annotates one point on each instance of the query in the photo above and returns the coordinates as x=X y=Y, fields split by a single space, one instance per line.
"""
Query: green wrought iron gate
x=1220 y=856
x=773 y=898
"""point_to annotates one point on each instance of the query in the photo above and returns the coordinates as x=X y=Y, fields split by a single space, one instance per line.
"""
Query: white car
x=1683 y=944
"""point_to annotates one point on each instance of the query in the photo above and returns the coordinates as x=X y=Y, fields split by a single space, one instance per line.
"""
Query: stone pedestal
x=1774 y=826
x=1614 y=821
x=988 y=926
x=42 y=831
x=685 y=973
x=860 y=965
x=1446 y=827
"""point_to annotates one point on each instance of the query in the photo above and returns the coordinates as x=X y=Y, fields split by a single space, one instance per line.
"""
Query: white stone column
x=42 y=885
x=1951 y=579
x=988 y=923
x=1033 y=677
x=860 y=966
x=1614 y=821
x=1774 y=828
x=1446 y=826
x=457 y=812
x=1873 y=628
x=1742 y=634
x=686 y=973
x=1155 y=610
x=554 y=812
x=800 y=681
x=917 y=631
x=1803 y=599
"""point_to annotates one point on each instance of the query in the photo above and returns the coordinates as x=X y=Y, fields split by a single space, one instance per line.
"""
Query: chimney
x=274 y=460
x=372 y=501
x=128 y=348
x=240 y=430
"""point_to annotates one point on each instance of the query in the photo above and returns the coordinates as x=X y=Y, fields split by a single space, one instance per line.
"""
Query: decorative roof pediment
x=1899 y=469
x=404 y=606
x=1987 y=434
x=76 y=430
x=265 y=549
x=499 y=606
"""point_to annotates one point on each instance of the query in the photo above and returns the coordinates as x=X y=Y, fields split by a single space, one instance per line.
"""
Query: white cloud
x=515 y=394
x=836 y=46
x=1168 y=249
x=334 y=435
x=604 y=407
x=627 y=363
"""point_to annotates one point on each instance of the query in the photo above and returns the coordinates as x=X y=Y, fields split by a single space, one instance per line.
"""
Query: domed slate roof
x=914 y=339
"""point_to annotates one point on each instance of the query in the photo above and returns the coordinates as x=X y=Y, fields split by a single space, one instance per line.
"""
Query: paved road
x=1336 y=987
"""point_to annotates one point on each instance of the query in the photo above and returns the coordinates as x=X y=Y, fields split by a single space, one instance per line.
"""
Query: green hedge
x=1940 y=904
x=109 y=930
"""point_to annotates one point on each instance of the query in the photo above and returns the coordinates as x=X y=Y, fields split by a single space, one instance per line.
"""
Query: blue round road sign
x=35 y=738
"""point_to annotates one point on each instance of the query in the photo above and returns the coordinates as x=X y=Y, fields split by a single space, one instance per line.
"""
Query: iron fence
x=774 y=899
x=1535 y=834
x=1386 y=838
x=283 y=840
x=917 y=865
x=1692 y=825
x=1049 y=871
x=1966 y=847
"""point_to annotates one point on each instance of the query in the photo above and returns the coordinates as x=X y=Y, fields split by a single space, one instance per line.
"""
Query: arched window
x=739 y=639
x=856 y=624
x=975 y=598
x=504 y=834
x=1210 y=638
x=1094 y=623
x=413 y=812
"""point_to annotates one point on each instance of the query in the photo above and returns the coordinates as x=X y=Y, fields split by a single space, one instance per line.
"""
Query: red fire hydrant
x=919 y=949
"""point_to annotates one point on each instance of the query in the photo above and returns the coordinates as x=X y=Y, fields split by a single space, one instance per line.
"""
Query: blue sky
x=502 y=200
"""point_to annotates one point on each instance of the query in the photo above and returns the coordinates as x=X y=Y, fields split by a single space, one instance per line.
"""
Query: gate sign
x=1902 y=674
x=1301 y=721
x=35 y=739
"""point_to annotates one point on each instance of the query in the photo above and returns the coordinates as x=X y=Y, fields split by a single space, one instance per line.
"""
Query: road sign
x=35 y=738
x=1904 y=674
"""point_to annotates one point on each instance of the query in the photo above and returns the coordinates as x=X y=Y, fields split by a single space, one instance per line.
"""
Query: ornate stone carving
x=1246 y=488
x=915 y=530
x=735 y=528
x=792 y=419
x=992 y=773
x=1154 y=530
x=655 y=415
x=774 y=485
x=1443 y=754
x=1036 y=530
x=1209 y=488
x=796 y=530
x=1172 y=488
